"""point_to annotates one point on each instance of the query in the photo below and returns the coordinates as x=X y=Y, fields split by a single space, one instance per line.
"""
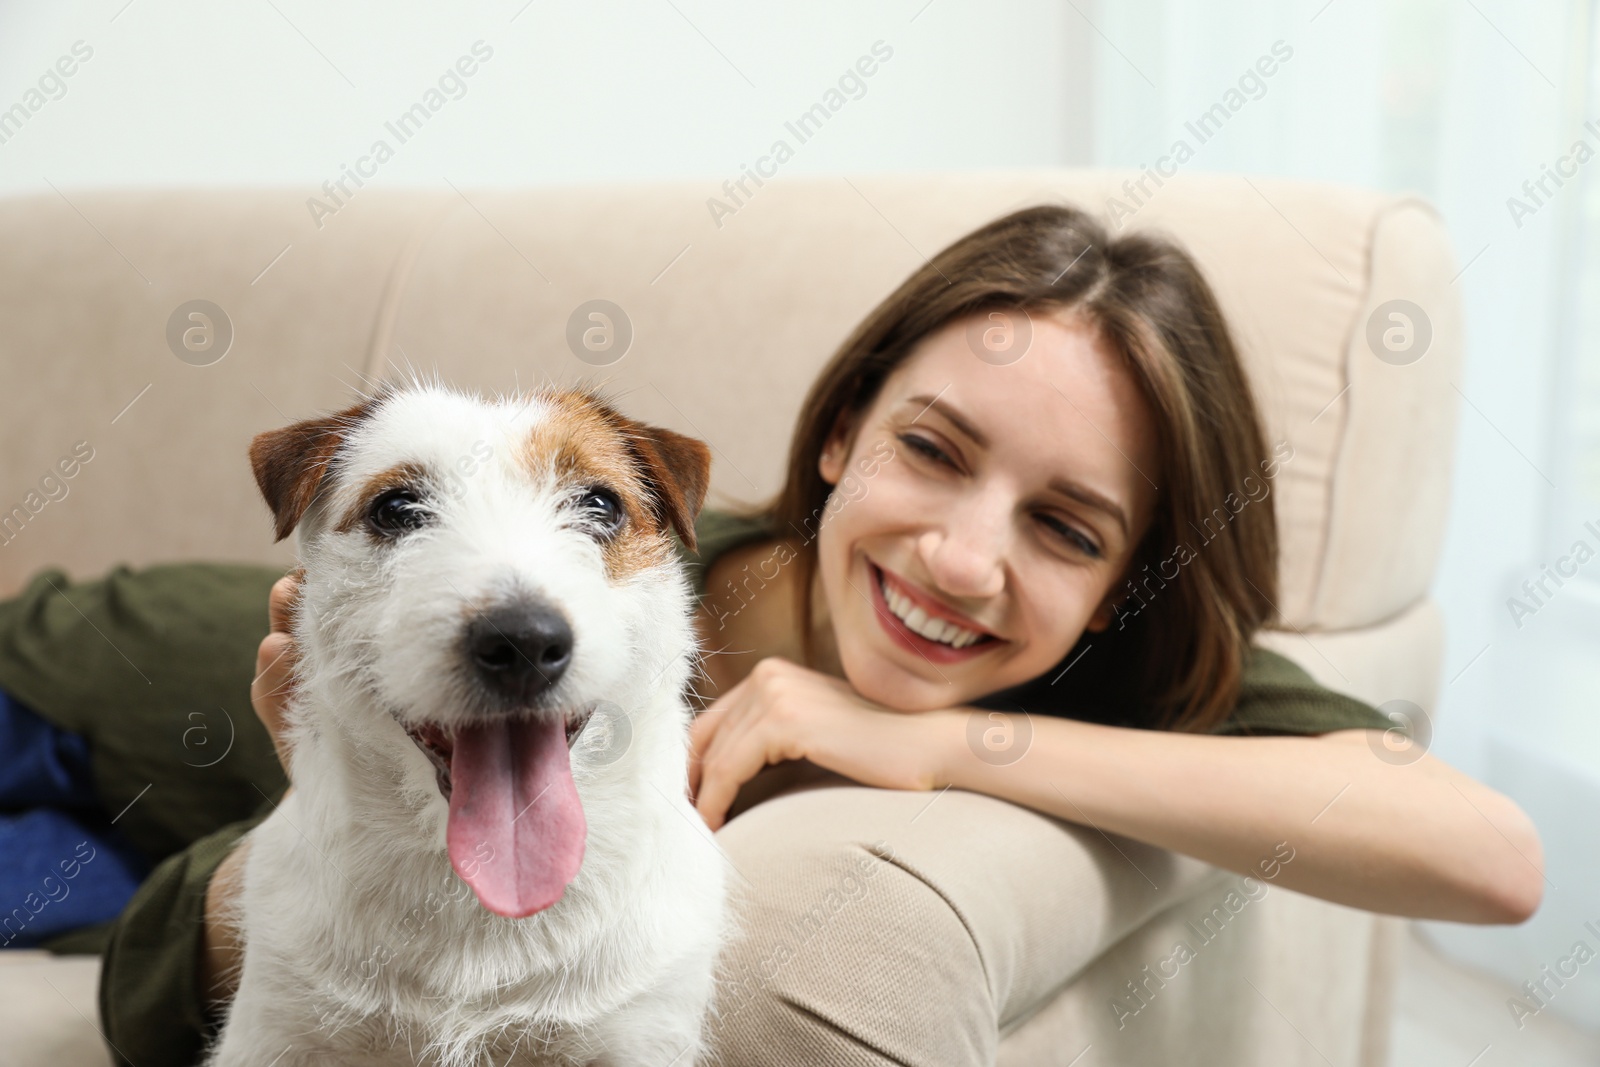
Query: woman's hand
x=783 y=711
x=275 y=659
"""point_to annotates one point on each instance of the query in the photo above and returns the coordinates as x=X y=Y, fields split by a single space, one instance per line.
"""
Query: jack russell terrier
x=488 y=856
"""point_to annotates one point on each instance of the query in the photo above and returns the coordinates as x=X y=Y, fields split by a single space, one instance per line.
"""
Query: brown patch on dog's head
x=677 y=470
x=290 y=463
x=660 y=476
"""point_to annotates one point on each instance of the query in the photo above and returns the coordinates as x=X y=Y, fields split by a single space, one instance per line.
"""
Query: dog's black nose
x=519 y=650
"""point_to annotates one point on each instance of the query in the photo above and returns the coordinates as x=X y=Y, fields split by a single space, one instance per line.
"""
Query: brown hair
x=1178 y=664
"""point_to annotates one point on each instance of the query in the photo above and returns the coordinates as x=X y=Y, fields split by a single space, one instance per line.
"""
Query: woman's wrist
x=973 y=743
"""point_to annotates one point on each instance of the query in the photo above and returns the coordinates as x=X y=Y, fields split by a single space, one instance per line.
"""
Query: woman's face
x=1005 y=501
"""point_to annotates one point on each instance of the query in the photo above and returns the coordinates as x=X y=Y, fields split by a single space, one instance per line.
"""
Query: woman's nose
x=965 y=554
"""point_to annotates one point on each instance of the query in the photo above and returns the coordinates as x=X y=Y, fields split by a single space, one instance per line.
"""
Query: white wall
x=289 y=91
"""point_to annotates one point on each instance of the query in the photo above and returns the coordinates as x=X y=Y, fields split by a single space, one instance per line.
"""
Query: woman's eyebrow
x=944 y=408
x=1090 y=498
x=1070 y=489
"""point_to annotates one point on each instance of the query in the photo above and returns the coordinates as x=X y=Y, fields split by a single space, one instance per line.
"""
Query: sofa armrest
x=1041 y=898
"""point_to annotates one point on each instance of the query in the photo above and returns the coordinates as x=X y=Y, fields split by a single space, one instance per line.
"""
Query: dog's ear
x=289 y=463
x=677 y=470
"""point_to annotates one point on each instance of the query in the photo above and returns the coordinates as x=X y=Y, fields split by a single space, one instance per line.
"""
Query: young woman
x=1024 y=544
x=1020 y=501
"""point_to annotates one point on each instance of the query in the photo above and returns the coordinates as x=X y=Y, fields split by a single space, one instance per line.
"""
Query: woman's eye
x=395 y=511
x=601 y=507
x=925 y=447
x=935 y=454
x=1077 y=539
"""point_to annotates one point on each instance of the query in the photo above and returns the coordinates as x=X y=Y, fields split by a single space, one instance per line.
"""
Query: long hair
x=1175 y=660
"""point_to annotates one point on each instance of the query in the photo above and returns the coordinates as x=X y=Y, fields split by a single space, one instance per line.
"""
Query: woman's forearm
x=1419 y=839
x=221 y=953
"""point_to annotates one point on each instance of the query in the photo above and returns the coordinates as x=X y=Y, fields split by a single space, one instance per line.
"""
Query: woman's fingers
x=707 y=726
x=732 y=761
x=275 y=658
x=701 y=732
x=281 y=602
x=269 y=693
x=718 y=787
x=694 y=758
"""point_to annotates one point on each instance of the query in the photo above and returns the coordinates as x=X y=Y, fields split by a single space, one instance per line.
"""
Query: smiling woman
x=1025 y=495
x=978 y=575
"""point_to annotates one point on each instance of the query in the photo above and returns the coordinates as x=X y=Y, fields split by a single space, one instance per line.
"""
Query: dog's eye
x=601 y=507
x=395 y=511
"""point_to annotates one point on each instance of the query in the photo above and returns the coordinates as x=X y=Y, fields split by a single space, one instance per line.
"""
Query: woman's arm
x=1420 y=840
x=222 y=952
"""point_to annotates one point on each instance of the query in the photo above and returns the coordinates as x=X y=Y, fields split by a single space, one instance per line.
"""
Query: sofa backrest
x=733 y=309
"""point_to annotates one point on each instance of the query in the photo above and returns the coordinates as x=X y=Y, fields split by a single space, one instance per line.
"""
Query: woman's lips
x=909 y=639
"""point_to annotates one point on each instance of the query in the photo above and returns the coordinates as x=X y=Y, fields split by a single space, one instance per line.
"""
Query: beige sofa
x=729 y=323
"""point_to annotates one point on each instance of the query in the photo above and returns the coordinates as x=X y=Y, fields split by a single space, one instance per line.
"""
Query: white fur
x=363 y=945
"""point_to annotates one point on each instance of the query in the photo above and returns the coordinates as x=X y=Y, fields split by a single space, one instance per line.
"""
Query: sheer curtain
x=1481 y=106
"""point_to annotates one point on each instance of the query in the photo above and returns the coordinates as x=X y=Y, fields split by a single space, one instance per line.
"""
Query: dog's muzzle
x=519 y=650
x=516 y=828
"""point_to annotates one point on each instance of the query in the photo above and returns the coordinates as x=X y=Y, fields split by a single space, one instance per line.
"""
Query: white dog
x=488 y=856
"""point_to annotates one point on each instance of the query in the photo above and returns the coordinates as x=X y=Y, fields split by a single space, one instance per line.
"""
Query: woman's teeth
x=934 y=629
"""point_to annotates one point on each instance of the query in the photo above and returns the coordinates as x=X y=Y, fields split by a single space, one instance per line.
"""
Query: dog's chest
x=378 y=1041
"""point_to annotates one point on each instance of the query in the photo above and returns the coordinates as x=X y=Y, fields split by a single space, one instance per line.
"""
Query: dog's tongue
x=511 y=789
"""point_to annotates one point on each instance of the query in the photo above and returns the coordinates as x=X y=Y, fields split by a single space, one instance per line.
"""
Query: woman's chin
x=894 y=687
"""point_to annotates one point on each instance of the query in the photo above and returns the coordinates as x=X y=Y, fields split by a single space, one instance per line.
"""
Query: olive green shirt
x=154 y=668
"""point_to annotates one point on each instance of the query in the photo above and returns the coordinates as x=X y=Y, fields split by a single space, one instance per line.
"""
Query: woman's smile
x=916 y=622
